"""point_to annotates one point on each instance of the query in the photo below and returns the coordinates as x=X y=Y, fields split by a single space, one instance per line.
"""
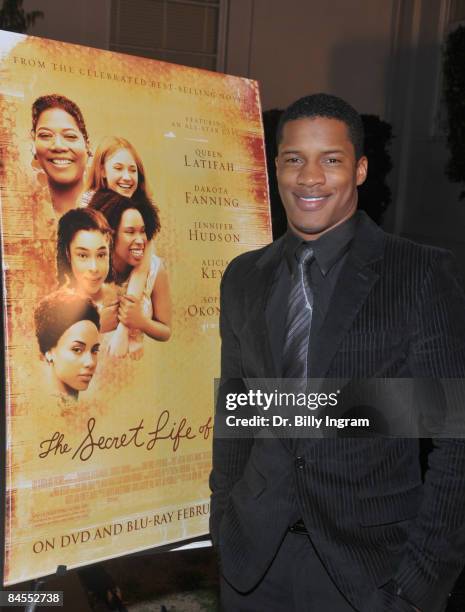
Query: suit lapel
x=260 y=281
x=355 y=282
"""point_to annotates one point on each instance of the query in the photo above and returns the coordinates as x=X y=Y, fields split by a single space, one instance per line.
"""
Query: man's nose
x=311 y=174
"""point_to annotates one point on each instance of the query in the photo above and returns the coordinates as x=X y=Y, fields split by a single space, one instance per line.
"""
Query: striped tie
x=299 y=317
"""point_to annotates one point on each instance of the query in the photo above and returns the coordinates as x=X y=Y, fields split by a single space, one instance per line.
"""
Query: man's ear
x=361 y=170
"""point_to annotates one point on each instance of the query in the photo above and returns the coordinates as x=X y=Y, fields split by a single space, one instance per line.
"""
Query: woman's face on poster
x=89 y=256
x=74 y=358
x=120 y=171
x=131 y=238
x=60 y=147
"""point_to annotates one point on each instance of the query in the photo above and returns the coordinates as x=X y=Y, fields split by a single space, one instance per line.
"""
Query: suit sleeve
x=229 y=455
x=434 y=554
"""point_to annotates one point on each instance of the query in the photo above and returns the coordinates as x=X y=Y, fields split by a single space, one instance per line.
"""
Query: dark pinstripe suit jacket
x=397 y=311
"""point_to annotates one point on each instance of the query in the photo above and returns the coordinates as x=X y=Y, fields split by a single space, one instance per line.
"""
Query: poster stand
x=37 y=584
x=35 y=588
x=96 y=580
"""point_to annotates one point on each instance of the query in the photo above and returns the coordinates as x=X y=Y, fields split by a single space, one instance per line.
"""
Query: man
x=337 y=524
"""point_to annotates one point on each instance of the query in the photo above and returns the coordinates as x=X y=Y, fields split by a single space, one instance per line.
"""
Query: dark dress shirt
x=330 y=251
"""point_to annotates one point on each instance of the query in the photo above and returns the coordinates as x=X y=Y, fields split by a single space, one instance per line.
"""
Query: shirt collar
x=328 y=248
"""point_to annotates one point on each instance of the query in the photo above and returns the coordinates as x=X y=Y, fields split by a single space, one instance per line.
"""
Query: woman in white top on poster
x=135 y=222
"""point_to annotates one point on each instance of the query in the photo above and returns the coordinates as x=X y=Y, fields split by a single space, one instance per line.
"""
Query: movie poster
x=127 y=185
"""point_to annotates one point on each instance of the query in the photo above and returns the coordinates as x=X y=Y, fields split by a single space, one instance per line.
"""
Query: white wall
x=298 y=47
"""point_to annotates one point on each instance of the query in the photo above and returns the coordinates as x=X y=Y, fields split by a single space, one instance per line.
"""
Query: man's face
x=318 y=175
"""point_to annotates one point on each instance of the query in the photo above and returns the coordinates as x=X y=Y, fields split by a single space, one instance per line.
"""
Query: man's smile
x=312 y=198
x=310 y=203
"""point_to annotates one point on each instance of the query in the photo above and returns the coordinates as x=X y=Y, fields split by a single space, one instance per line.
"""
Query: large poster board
x=114 y=457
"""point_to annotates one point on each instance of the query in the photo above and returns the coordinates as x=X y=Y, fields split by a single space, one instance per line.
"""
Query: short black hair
x=57 y=312
x=58 y=101
x=112 y=205
x=330 y=107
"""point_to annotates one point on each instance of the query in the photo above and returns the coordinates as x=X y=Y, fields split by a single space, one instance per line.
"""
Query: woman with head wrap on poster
x=60 y=148
x=67 y=328
x=83 y=260
x=135 y=222
x=117 y=166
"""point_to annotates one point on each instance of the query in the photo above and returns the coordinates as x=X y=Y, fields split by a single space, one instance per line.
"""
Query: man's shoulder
x=405 y=263
x=246 y=263
x=410 y=253
x=394 y=249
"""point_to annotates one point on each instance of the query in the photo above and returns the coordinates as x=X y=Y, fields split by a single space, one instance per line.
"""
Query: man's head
x=320 y=163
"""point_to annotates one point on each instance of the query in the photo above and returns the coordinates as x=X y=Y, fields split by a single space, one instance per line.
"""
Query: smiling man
x=318 y=174
x=337 y=524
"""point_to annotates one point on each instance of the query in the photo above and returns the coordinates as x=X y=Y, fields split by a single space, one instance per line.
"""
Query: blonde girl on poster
x=118 y=166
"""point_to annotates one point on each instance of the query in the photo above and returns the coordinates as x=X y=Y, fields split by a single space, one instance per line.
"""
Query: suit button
x=300 y=463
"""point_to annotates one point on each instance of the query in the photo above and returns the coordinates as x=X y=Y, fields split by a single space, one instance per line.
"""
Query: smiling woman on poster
x=83 y=260
x=135 y=222
x=118 y=166
x=60 y=148
x=67 y=329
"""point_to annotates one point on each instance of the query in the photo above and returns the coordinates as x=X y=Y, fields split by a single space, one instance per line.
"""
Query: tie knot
x=304 y=254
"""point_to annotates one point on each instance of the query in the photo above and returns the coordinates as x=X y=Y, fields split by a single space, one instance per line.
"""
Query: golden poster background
x=77 y=491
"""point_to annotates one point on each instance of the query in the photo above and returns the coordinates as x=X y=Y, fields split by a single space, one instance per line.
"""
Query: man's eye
x=333 y=160
x=293 y=160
